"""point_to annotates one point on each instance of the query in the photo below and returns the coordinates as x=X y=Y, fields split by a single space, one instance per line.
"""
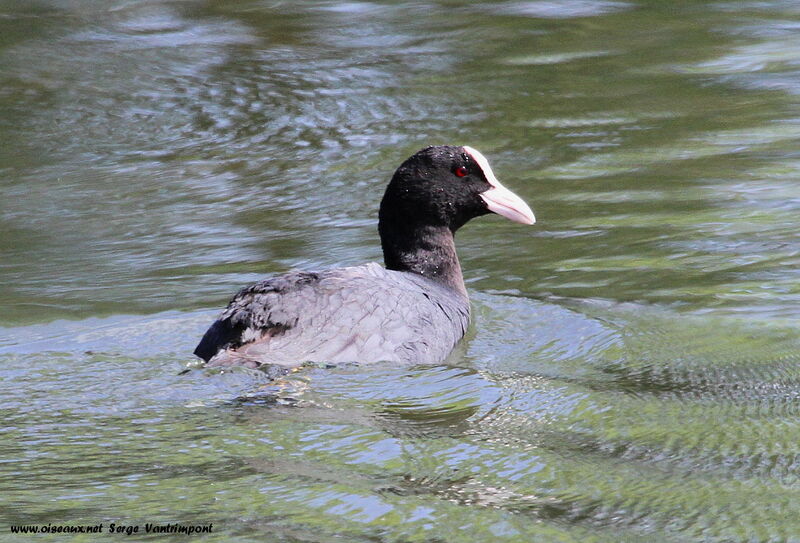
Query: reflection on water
x=631 y=373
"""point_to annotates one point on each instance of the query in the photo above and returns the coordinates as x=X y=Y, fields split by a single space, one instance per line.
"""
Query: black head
x=446 y=186
x=431 y=195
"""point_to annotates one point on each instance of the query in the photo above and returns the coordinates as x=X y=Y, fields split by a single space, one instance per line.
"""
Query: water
x=633 y=369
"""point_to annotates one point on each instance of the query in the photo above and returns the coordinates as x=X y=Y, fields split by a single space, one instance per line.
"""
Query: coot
x=414 y=310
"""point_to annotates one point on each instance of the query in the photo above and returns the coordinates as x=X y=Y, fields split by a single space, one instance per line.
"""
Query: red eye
x=461 y=171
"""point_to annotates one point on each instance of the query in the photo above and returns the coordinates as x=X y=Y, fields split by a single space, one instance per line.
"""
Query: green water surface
x=633 y=368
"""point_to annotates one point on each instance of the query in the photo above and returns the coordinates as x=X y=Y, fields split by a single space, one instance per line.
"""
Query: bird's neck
x=429 y=251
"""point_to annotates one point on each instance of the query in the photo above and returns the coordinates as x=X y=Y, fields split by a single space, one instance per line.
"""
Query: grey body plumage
x=359 y=314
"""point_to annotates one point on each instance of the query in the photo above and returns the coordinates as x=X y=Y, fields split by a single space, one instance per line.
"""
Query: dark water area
x=632 y=372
